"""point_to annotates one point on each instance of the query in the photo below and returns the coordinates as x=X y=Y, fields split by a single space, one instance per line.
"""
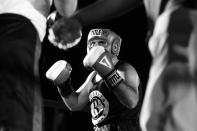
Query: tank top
x=106 y=108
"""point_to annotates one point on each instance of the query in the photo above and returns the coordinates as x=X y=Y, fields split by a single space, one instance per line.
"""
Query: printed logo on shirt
x=99 y=106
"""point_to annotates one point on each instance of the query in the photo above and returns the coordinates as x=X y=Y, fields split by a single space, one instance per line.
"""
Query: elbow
x=70 y=108
x=73 y=108
x=132 y=103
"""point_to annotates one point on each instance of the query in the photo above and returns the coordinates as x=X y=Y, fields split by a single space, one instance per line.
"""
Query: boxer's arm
x=59 y=74
x=66 y=7
x=79 y=99
x=127 y=91
x=102 y=10
x=122 y=81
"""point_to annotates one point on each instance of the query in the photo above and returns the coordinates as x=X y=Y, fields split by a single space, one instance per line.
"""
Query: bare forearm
x=127 y=95
x=71 y=101
x=104 y=9
x=77 y=100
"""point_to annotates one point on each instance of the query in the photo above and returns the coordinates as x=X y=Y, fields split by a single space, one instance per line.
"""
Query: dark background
x=132 y=28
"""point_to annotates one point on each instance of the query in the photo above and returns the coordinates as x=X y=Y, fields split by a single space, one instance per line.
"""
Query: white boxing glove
x=59 y=73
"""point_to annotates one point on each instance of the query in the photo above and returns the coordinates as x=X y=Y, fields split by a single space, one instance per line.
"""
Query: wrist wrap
x=65 y=89
x=113 y=80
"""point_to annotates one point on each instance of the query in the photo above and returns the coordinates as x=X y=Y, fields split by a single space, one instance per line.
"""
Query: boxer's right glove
x=59 y=74
x=104 y=63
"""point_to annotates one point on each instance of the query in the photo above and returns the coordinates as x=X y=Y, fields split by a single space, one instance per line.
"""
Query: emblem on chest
x=99 y=106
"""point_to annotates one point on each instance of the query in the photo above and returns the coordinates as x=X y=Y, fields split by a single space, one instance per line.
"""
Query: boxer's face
x=98 y=42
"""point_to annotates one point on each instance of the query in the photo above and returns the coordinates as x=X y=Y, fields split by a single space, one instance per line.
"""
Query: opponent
x=112 y=90
x=22 y=29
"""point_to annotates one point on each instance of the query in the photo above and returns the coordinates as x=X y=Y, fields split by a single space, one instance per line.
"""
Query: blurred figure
x=112 y=90
x=65 y=37
x=22 y=29
x=170 y=102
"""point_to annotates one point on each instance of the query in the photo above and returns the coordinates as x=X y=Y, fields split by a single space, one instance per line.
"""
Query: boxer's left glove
x=59 y=74
x=104 y=63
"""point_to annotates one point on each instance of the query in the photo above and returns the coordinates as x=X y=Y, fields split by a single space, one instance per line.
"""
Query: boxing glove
x=59 y=74
x=104 y=63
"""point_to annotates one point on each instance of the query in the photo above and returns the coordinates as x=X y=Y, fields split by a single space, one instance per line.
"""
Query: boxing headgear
x=112 y=39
